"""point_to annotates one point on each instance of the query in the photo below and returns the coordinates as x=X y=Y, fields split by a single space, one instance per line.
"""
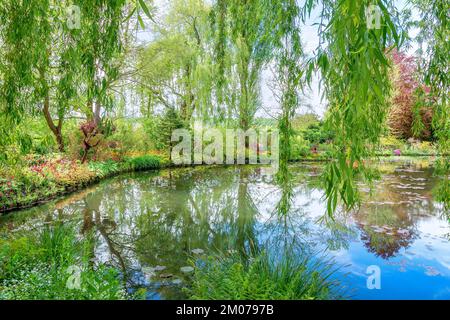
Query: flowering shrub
x=64 y=172
x=43 y=177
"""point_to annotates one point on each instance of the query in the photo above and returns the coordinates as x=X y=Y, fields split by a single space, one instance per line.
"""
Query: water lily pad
x=159 y=268
x=403 y=231
x=166 y=275
x=177 y=281
x=148 y=270
x=186 y=269
x=197 y=251
x=431 y=272
x=378 y=229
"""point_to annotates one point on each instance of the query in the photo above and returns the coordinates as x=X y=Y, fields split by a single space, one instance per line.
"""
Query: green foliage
x=300 y=148
x=144 y=162
x=37 y=267
x=178 y=62
x=261 y=278
x=434 y=30
x=170 y=121
x=316 y=134
x=302 y=121
x=104 y=169
x=355 y=70
x=205 y=60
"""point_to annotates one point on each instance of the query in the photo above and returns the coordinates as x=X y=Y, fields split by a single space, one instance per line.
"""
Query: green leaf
x=145 y=9
x=131 y=14
x=141 y=22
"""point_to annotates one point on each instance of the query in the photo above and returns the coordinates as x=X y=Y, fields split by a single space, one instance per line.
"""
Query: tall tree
x=40 y=63
x=242 y=30
x=174 y=69
x=408 y=115
x=100 y=42
x=289 y=75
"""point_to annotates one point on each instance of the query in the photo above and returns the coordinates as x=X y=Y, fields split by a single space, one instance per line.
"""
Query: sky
x=312 y=99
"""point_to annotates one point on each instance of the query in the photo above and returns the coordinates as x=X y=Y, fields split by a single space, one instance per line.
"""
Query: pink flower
x=397 y=152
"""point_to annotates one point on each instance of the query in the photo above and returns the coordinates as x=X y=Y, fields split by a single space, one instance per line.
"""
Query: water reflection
x=150 y=224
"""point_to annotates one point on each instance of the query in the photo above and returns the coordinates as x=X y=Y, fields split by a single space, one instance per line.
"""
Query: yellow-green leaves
x=356 y=81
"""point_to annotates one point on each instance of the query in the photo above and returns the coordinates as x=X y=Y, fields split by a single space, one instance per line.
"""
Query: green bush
x=316 y=134
x=104 y=169
x=146 y=162
x=299 y=148
x=261 y=278
x=131 y=135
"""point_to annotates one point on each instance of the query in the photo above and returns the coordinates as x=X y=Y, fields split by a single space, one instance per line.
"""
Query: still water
x=151 y=224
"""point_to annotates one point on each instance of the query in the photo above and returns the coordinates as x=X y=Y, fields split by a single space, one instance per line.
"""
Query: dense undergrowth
x=54 y=264
x=43 y=177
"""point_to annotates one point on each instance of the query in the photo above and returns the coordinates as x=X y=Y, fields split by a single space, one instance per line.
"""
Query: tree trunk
x=57 y=130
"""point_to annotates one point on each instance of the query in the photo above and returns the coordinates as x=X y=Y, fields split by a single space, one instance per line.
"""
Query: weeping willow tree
x=49 y=64
x=289 y=79
x=174 y=70
x=100 y=42
x=39 y=64
x=242 y=49
x=434 y=31
x=354 y=67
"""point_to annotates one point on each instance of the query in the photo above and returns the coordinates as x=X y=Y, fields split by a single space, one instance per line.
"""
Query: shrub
x=299 y=147
x=317 y=134
x=144 y=162
x=410 y=114
x=165 y=125
x=104 y=169
x=391 y=142
x=260 y=278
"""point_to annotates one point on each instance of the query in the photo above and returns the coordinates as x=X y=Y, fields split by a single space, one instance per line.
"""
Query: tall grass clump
x=146 y=162
x=41 y=267
x=233 y=277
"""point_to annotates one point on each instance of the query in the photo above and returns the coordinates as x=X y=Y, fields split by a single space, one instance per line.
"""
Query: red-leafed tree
x=409 y=115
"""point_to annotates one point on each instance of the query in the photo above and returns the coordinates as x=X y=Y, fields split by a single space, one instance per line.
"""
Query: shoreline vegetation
x=70 y=176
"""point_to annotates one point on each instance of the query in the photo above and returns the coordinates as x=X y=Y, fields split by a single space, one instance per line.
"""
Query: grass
x=232 y=277
x=145 y=162
x=38 y=267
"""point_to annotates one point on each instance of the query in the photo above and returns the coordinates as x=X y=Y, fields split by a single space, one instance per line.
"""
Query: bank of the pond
x=45 y=180
x=55 y=264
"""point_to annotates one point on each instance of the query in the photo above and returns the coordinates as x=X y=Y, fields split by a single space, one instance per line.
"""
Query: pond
x=150 y=224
